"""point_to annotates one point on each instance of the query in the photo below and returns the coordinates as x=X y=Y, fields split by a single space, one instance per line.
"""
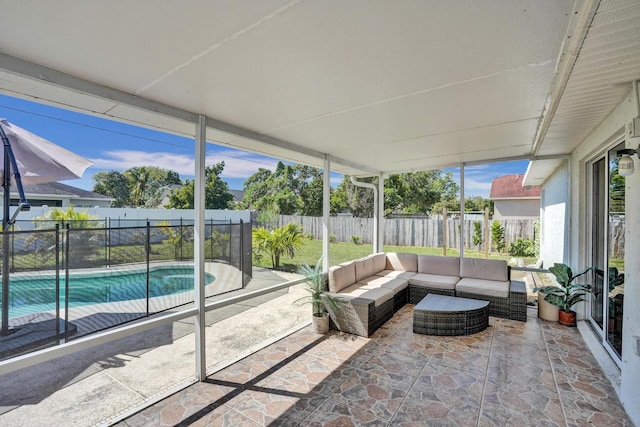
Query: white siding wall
x=611 y=130
x=516 y=209
x=554 y=223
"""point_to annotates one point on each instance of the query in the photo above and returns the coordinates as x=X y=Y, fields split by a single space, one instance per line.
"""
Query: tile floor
x=513 y=374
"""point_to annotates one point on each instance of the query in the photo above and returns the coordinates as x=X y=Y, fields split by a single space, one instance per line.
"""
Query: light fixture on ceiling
x=625 y=164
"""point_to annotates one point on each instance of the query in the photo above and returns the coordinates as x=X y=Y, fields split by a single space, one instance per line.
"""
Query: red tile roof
x=510 y=186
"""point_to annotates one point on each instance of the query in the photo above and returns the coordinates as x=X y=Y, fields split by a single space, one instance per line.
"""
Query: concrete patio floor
x=514 y=373
x=95 y=386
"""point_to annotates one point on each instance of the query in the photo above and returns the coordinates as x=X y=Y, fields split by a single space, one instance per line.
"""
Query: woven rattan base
x=446 y=315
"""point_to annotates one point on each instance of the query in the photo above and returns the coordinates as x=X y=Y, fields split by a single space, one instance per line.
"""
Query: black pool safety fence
x=77 y=278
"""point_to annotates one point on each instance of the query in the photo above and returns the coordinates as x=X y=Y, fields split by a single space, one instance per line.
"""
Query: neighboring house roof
x=237 y=195
x=510 y=187
x=58 y=189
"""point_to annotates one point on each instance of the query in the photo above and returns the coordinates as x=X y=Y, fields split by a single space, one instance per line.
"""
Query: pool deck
x=93 y=386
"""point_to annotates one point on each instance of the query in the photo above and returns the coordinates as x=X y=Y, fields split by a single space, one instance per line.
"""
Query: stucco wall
x=554 y=215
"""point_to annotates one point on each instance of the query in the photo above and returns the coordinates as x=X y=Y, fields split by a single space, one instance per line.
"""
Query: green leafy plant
x=477 y=234
x=332 y=238
x=83 y=242
x=568 y=293
x=318 y=296
x=356 y=240
x=277 y=242
x=522 y=248
x=497 y=235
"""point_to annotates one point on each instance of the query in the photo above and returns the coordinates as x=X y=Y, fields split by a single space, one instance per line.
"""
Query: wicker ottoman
x=445 y=315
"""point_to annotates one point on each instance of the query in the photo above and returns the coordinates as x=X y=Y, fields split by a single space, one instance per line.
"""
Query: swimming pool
x=36 y=293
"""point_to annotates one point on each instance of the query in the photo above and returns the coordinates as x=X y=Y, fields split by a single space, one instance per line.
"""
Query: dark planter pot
x=567 y=318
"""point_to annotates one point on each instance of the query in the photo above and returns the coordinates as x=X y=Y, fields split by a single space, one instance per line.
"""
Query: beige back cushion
x=402 y=262
x=379 y=262
x=342 y=276
x=489 y=269
x=364 y=268
x=439 y=265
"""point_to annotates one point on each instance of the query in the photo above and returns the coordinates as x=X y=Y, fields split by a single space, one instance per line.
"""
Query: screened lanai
x=360 y=88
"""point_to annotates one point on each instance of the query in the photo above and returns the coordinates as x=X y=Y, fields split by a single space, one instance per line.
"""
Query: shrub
x=275 y=243
x=477 y=234
x=536 y=238
x=522 y=248
x=357 y=240
x=83 y=242
x=497 y=235
x=332 y=238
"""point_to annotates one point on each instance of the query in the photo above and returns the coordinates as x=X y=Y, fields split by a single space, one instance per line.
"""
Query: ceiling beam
x=573 y=41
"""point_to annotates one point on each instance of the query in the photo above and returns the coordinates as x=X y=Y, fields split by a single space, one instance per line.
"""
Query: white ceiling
x=379 y=86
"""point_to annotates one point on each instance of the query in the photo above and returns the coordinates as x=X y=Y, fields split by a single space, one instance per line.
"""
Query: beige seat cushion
x=489 y=269
x=434 y=281
x=379 y=295
x=402 y=262
x=495 y=288
x=440 y=265
x=396 y=285
x=394 y=274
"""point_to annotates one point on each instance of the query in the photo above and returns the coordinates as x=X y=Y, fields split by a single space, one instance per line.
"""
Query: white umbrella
x=29 y=159
x=39 y=160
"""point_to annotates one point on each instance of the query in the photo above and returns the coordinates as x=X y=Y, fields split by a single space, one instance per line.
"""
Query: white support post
x=376 y=209
x=379 y=247
x=326 y=212
x=198 y=250
x=461 y=210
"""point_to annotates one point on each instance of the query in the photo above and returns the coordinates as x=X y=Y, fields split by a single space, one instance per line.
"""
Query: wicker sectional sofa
x=371 y=289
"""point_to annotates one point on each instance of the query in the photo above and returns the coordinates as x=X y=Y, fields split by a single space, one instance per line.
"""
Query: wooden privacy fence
x=411 y=231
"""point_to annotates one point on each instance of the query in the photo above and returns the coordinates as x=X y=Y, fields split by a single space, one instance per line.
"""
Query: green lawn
x=311 y=251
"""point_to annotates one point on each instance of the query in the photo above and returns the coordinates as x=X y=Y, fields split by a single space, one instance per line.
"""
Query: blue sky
x=112 y=145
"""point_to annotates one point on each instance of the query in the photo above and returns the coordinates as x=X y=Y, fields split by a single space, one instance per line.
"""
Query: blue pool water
x=34 y=294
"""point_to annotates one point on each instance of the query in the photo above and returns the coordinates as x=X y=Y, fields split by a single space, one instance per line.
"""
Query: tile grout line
x=553 y=373
x=486 y=373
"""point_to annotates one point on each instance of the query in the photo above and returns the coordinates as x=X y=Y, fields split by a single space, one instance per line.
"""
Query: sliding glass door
x=607 y=248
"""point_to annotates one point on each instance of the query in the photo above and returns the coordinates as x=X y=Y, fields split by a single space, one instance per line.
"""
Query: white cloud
x=121 y=160
x=474 y=187
x=237 y=164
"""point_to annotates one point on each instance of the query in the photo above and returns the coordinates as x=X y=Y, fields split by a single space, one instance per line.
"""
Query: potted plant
x=318 y=296
x=567 y=294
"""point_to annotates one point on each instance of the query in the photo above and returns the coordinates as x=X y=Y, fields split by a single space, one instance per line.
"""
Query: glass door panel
x=615 y=261
x=598 y=232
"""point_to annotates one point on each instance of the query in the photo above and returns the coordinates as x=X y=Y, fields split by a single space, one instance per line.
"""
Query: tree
x=175 y=235
x=113 y=184
x=414 y=192
x=217 y=195
x=478 y=204
x=137 y=186
x=290 y=189
x=283 y=240
x=497 y=236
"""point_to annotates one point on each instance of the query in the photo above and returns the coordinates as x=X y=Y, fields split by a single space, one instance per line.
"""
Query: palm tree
x=283 y=240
